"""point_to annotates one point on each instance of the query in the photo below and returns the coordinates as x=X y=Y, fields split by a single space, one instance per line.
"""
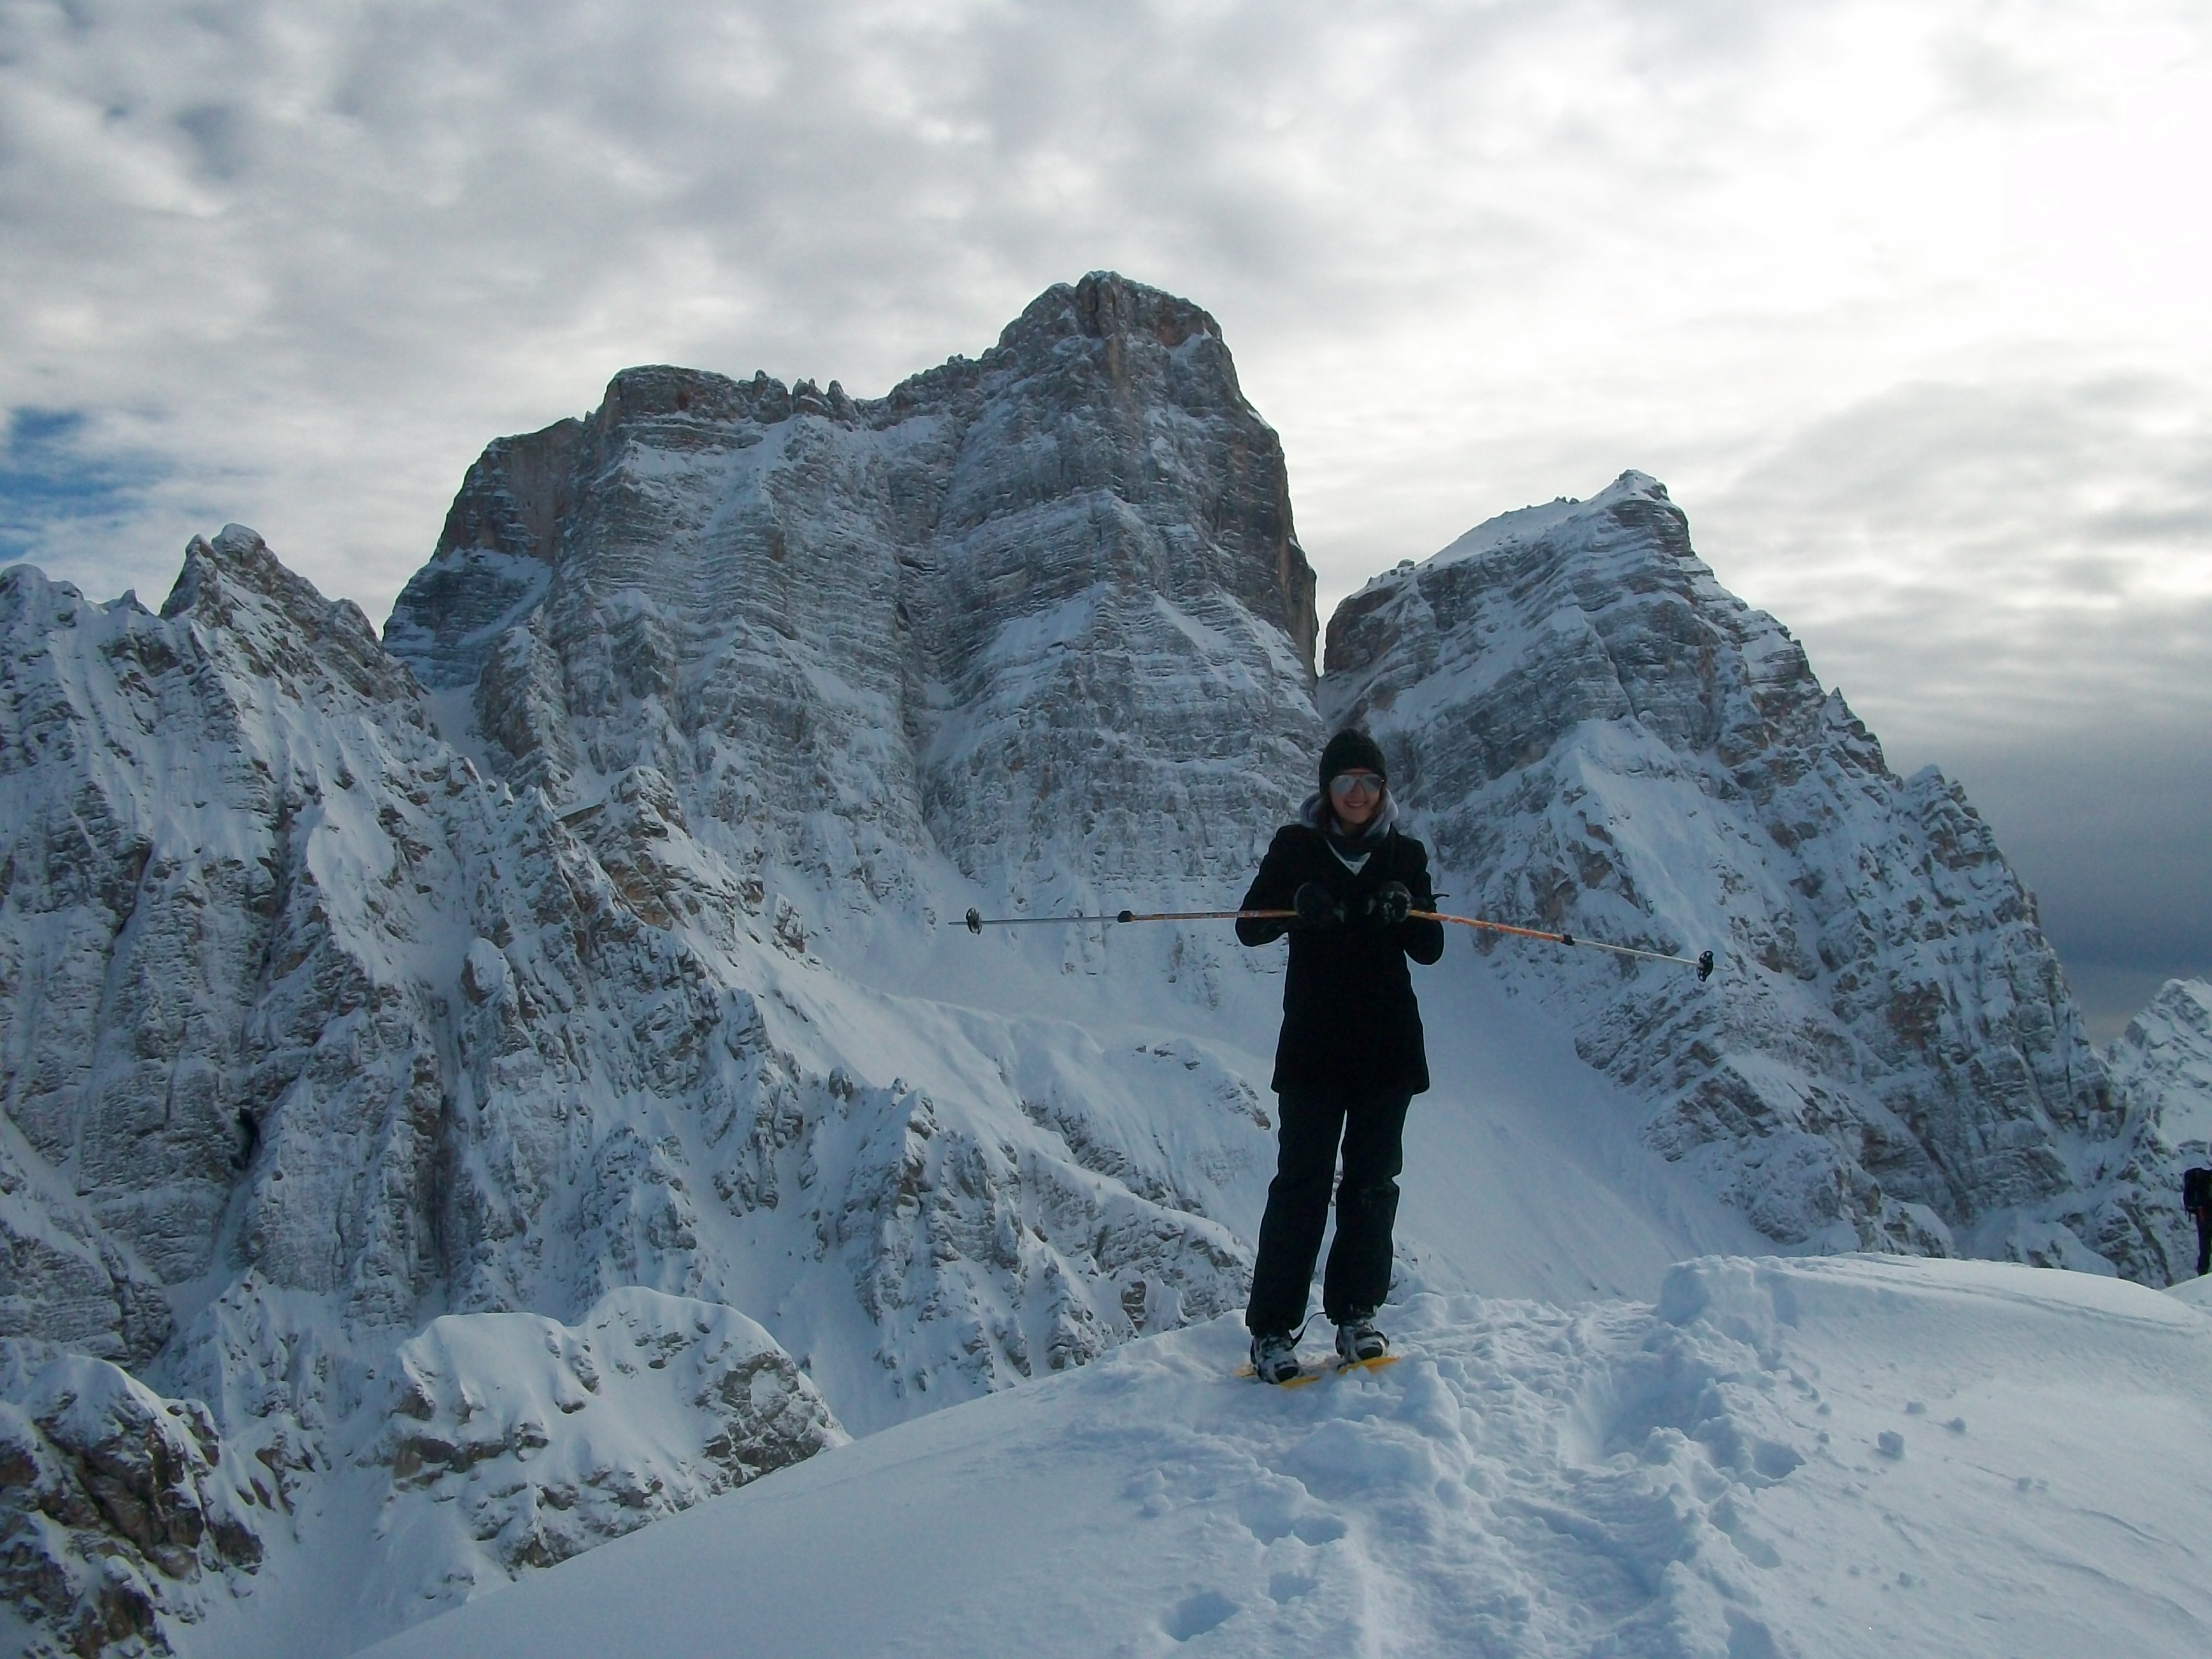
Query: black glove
x=1315 y=908
x=1392 y=903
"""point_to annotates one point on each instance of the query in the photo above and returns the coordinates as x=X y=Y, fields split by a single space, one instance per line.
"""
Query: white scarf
x=1314 y=815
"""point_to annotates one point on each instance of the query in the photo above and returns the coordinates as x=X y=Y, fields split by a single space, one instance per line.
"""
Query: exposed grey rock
x=172 y=779
x=2161 y=1070
x=115 y=1506
x=1044 y=610
x=1601 y=740
x=64 y=1278
x=2162 y=1062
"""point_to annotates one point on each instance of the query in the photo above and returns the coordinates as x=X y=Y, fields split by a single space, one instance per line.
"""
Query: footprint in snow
x=1197 y=1614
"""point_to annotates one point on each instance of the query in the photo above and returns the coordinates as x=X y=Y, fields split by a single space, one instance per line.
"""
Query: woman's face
x=1354 y=798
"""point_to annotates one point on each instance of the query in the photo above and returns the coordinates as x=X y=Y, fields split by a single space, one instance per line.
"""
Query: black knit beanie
x=1352 y=751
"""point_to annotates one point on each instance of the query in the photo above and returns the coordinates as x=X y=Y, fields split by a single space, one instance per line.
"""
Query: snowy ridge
x=1796 y=1459
x=541 y=1440
x=114 y=1505
x=1600 y=738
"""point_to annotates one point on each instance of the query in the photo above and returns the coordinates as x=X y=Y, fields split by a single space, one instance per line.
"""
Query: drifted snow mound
x=537 y=1440
x=2162 y=1063
x=1841 y=1456
x=1601 y=738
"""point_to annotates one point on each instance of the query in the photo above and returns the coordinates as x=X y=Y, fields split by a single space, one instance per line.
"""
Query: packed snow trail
x=1825 y=1457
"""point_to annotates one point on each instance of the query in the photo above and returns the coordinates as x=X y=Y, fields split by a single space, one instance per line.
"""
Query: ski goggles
x=1344 y=785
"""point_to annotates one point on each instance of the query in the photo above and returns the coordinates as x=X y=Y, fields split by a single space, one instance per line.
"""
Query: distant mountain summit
x=1022 y=610
x=471 y=1092
x=2162 y=1064
x=1602 y=739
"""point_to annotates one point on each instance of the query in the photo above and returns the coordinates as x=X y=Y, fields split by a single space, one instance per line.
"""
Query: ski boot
x=1357 y=1341
x=1274 y=1356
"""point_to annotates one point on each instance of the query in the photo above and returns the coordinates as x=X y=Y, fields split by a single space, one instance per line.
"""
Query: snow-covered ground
x=1525 y=1179
x=1821 y=1457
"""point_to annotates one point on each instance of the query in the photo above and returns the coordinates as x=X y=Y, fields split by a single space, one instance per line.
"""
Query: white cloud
x=2013 y=560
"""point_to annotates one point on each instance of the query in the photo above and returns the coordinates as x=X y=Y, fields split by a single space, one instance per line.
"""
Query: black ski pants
x=2204 y=1243
x=1371 y=1128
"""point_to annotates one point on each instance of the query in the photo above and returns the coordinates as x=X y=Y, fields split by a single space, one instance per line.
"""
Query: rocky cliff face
x=1600 y=737
x=2162 y=1065
x=1038 y=612
x=535 y=967
x=118 y=1510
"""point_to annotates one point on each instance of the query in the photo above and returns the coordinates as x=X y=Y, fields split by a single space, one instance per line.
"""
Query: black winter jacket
x=1349 y=1016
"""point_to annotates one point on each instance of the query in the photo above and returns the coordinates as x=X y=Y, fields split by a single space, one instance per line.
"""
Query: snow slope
x=1525 y=1179
x=1817 y=1457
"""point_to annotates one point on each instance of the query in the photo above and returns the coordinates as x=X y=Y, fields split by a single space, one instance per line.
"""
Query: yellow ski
x=1315 y=1371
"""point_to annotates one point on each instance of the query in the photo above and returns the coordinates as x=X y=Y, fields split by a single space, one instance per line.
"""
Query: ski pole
x=1207 y=916
x=1702 y=962
x=977 y=922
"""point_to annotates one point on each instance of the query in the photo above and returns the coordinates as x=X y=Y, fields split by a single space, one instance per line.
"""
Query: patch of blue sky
x=53 y=475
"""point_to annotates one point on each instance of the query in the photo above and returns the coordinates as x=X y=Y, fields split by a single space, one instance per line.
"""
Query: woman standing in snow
x=1350 y=1057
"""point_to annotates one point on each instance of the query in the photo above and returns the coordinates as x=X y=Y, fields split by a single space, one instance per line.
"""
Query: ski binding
x=1314 y=1371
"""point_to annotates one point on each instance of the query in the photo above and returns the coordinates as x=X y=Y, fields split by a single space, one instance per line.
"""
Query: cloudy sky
x=1907 y=302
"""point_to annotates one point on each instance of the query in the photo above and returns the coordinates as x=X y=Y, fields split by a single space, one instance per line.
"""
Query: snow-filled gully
x=1849 y=1456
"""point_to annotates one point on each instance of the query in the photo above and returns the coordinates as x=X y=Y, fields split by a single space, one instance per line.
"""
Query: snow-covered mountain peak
x=1521 y=524
x=1104 y=305
x=237 y=594
x=1601 y=738
x=2163 y=1063
x=907 y=614
x=1619 y=564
